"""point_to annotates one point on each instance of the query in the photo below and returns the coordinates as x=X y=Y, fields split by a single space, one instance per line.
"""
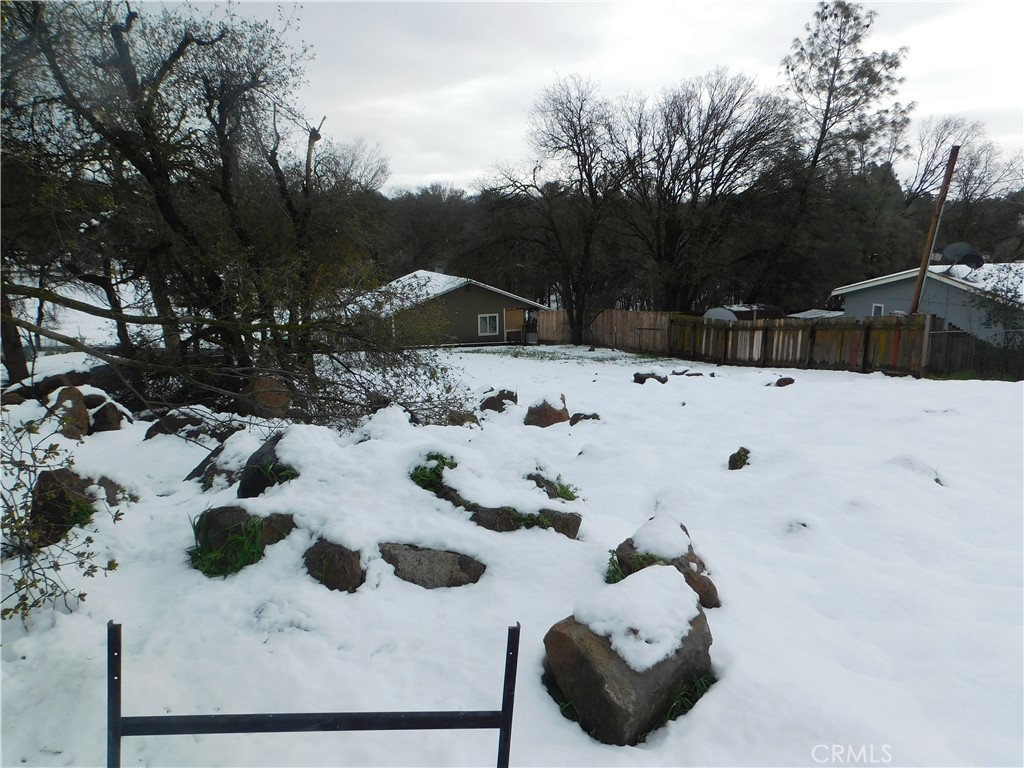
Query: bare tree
x=687 y=156
x=566 y=199
x=929 y=153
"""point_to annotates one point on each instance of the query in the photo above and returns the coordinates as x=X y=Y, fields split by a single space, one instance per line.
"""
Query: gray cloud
x=444 y=88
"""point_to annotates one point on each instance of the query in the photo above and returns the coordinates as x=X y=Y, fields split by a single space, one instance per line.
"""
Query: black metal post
x=508 y=696
x=113 y=695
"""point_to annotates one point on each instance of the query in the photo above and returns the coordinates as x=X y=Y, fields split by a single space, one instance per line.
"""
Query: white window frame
x=480 y=319
x=878 y=310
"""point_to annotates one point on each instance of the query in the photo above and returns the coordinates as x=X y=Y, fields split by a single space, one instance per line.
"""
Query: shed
x=987 y=302
x=475 y=313
x=745 y=312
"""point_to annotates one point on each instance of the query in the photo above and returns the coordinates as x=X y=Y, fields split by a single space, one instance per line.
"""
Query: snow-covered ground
x=869 y=561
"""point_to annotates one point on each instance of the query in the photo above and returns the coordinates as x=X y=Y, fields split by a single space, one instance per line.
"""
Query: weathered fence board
x=895 y=344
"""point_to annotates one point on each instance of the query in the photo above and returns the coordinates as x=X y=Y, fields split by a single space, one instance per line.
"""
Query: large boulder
x=334 y=566
x=100 y=376
x=264 y=469
x=214 y=526
x=265 y=396
x=617 y=698
x=660 y=544
x=547 y=412
x=432 y=568
x=499 y=400
x=208 y=470
x=176 y=423
x=70 y=408
x=276 y=527
x=226 y=541
x=107 y=417
x=60 y=501
x=192 y=424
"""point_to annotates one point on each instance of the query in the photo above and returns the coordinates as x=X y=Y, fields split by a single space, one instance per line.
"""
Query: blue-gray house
x=987 y=302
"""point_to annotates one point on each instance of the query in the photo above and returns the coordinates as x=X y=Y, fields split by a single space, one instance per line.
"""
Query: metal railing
x=119 y=726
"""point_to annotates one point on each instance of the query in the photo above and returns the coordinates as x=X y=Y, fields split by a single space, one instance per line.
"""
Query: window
x=878 y=310
x=488 y=325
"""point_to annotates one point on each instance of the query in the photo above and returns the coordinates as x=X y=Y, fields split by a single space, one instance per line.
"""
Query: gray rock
x=739 y=459
x=334 y=566
x=641 y=378
x=505 y=519
x=616 y=704
x=432 y=568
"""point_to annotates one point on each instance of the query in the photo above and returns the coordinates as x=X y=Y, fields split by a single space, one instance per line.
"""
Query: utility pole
x=930 y=241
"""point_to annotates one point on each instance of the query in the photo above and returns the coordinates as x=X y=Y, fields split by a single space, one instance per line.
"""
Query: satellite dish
x=962 y=253
x=972 y=260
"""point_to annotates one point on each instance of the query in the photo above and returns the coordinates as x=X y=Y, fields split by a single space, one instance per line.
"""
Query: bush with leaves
x=32 y=571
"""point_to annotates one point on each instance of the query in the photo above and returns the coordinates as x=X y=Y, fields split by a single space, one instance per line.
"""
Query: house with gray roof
x=987 y=302
x=473 y=313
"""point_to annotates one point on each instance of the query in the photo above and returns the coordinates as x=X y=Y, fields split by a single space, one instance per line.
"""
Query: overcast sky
x=444 y=88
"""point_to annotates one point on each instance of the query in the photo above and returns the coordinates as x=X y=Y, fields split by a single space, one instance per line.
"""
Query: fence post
x=926 y=346
x=508 y=696
x=113 y=695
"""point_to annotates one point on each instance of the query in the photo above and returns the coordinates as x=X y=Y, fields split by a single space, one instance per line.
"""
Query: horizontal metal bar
x=166 y=725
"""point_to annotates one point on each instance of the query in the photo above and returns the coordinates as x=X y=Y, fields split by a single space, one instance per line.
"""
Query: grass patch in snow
x=430 y=476
x=243 y=547
x=639 y=560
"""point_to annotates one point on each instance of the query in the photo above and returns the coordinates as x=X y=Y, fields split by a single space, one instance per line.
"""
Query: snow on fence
x=895 y=344
x=119 y=726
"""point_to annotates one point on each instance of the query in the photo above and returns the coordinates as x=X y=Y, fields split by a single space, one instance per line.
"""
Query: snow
x=662 y=536
x=869 y=560
x=646 y=616
x=1007 y=279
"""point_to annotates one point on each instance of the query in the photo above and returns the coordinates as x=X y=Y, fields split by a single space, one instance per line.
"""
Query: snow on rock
x=662 y=536
x=554 y=399
x=645 y=616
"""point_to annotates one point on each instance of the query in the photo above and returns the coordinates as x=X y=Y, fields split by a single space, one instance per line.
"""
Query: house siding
x=463 y=306
x=952 y=304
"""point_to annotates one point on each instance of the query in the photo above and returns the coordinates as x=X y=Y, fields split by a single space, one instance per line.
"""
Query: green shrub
x=34 y=575
x=430 y=476
x=279 y=473
x=686 y=698
x=614 y=574
x=638 y=561
x=530 y=520
x=565 y=490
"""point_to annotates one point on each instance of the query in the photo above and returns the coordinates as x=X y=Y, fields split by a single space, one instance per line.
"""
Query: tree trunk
x=14 y=352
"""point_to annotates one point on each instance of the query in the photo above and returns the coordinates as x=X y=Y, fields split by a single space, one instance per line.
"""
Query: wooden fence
x=894 y=344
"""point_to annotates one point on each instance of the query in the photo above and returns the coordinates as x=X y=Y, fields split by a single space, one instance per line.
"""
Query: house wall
x=953 y=305
x=462 y=308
